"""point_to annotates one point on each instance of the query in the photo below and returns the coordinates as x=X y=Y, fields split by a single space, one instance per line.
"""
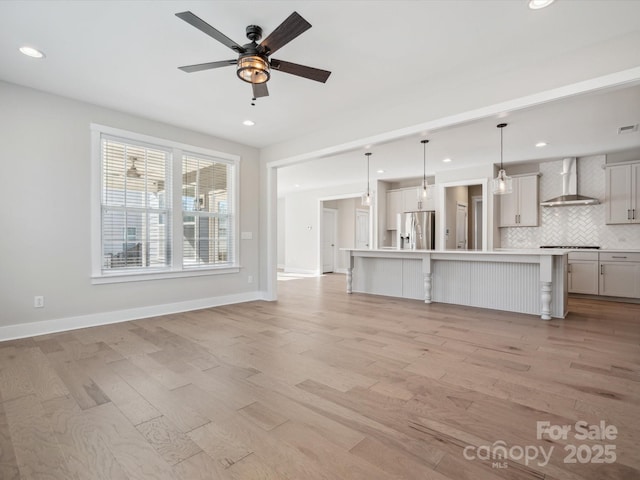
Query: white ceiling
x=389 y=60
x=578 y=126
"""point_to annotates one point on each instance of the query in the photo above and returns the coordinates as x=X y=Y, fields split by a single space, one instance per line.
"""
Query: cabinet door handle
x=614 y=256
x=569 y=268
x=601 y=269
x=629 y=214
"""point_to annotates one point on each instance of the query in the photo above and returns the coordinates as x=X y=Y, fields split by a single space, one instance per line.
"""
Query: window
x=205 y=217
x=164 y=209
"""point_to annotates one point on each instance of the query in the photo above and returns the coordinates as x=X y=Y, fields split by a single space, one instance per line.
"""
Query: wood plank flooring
x=328 y=386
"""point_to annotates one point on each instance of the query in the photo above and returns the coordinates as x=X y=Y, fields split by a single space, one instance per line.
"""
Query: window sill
x=123 y=277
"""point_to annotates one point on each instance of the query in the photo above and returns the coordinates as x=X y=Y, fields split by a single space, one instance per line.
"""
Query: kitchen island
x=525 y=281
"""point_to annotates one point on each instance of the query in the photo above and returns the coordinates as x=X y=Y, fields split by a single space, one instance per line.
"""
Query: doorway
x=329 y=233
x=472 y=194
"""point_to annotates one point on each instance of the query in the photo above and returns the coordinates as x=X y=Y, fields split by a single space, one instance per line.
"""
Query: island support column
x=546 y=278
x=426 y=272
x=350 y=273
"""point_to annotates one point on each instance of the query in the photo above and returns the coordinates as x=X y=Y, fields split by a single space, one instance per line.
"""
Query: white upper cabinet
x=406 y=200
x=623 y=193
x=520 y=208
x=409 y=199
x=394 y=207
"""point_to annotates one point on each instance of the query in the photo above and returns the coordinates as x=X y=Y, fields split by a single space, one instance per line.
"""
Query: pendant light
x=502 y=184
x=424 y=191
x=366 y=197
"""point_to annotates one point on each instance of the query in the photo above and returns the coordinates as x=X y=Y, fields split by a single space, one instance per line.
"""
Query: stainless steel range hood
x=570 y=195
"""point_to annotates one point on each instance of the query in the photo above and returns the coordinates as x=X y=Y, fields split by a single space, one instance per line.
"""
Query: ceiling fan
x=132 y=172
x=253 y=62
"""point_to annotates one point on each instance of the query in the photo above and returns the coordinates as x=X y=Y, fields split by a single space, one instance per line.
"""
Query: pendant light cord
x=424 y=165
x=368 y=154
x=501 y=166
x=501 y=126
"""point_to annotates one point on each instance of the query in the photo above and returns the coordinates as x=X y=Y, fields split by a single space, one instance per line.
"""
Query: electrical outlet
x=250 y=279
x=38 y=301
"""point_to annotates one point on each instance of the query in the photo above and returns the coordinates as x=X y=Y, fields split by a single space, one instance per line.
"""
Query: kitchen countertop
x=516 y=251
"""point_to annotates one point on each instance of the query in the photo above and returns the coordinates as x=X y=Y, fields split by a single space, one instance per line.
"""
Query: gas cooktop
x=572 y=247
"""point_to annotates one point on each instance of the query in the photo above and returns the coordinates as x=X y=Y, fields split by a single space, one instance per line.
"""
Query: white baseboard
x=301 y=270
x=341 y=270
x=280 y=266
x=12 y=332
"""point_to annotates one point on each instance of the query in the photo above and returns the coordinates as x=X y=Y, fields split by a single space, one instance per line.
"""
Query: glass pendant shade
x=502 y=184
x=425 y=191
x=253 y=69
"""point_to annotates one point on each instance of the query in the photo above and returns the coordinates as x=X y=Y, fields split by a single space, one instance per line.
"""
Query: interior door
x=329 y=233
x=362 y=229
x=462 y=226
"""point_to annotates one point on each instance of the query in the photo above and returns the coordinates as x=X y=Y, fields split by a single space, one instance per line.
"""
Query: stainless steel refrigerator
x=418 y=230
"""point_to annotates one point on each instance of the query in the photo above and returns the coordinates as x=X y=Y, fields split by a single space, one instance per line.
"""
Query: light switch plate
x=246 y=236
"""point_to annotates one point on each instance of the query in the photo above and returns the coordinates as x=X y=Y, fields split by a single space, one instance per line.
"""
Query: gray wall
x=45 y=247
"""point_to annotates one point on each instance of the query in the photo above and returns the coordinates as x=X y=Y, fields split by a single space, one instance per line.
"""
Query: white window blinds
x=136 y=214
x=164 y=209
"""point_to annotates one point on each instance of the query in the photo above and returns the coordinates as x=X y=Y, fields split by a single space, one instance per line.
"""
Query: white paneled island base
x=524 y=281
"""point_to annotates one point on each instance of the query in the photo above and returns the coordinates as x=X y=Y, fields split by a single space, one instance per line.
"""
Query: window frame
x=177 y=150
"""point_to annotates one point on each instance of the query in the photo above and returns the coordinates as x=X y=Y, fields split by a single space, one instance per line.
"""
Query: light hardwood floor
x=323 y=385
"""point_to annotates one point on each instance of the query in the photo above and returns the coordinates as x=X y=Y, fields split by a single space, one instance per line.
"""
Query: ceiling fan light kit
x=253 y=69
x=253 y=62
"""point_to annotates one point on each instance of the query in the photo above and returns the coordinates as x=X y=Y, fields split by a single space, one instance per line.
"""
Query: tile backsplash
x=583 y=225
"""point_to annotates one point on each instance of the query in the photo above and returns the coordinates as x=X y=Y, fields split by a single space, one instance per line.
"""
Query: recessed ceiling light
x=541 y=144
x=297 y=185
x=380 y=171
x=31 y=52
x=446 y=160
x=538 y=4
x=249 y=123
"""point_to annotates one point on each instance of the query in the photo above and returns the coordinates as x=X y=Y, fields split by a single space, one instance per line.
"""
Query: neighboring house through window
x=164 y=208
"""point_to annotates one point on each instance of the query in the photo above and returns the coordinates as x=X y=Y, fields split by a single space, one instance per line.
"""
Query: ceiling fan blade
x=207 y=66
x=260 y=90
x=293 y=26
x=300 y=70
x=203 y=26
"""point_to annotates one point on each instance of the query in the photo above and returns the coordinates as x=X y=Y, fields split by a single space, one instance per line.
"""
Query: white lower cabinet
x=611 y=274
x=583 y=273
x=620 y=274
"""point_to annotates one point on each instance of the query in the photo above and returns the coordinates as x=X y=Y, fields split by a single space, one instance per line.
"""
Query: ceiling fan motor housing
x=254 y=33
